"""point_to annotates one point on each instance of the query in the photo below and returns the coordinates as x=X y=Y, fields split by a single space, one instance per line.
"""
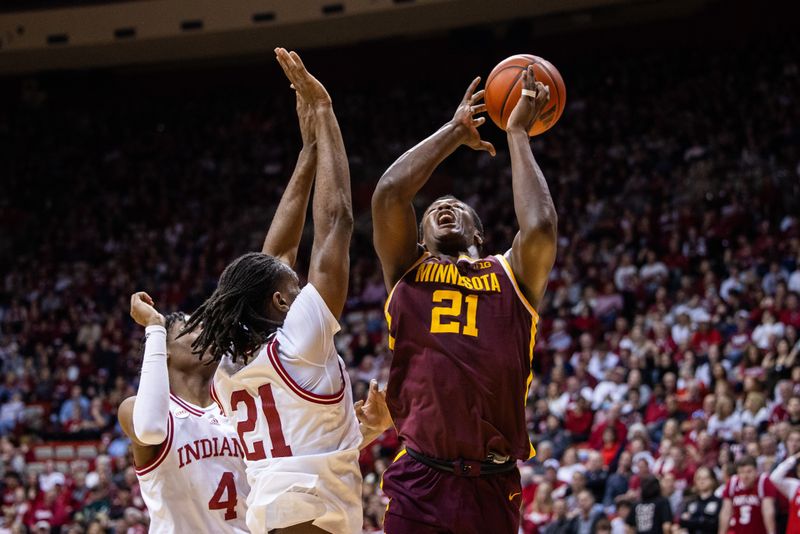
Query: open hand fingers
x=471 y=89
x=531 y=74
x=288 y=65
x=480 y=108
x=542 y=92
x=488 y=147
x=477 y=97
x=297 y=61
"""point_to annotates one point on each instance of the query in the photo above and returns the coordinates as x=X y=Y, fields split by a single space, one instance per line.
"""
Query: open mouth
x=446 y=218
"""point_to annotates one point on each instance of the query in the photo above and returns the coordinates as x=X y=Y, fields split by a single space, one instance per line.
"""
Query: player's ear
x=279 y=302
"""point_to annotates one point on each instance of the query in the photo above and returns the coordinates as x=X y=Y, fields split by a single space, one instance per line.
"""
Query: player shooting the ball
x=462 y=325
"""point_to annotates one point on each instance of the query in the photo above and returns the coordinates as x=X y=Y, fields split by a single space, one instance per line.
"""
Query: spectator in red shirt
x=612 y=421
x=705 y=335
x=578 y=421
x=611 y=445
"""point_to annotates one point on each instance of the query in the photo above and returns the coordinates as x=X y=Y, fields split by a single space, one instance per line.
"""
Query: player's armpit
x=142 y=452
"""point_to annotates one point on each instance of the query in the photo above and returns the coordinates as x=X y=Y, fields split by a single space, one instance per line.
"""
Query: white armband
x=151 y=410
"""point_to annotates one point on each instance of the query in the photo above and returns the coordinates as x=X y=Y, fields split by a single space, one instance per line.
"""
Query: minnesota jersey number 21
x=451 y=307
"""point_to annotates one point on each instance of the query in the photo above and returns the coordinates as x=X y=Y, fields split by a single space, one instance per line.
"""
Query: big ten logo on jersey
x=481 y=265
x=203 y=448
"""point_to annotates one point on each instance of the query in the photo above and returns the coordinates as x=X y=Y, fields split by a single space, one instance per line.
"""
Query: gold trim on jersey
x=520 y=294
x=535 y=317
x=530 y=377
x=399 y=455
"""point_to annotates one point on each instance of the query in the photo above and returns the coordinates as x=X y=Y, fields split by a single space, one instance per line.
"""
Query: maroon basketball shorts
x=424 y=500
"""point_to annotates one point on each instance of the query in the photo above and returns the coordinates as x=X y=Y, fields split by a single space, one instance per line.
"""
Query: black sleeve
x=663 y=512
x=631 y=519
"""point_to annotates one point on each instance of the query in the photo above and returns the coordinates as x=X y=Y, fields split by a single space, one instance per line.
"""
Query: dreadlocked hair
x=234 y=319
x=170 y=320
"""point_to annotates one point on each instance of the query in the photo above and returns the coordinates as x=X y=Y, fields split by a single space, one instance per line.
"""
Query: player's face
x=448 y=227
x=747 y=473
x=179 y=349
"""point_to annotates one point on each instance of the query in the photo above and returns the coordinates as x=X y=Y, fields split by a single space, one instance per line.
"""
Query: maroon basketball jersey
x=462 y=335
x=747 y=517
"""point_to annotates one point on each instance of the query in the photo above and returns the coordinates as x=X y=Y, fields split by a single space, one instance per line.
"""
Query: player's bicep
x=394 y=233
x=532 y=256
x=329 y=268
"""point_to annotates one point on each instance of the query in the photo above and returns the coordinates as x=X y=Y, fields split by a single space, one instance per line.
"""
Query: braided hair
x=234 y=317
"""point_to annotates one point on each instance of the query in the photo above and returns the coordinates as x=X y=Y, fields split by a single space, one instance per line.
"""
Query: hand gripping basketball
x=535 y=96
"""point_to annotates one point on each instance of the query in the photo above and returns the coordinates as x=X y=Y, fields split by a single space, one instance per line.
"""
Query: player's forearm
x=533 y=204
x=286 y=230
x=332 y=213
x=151 y=410
x=412 y=170
x=333 y=208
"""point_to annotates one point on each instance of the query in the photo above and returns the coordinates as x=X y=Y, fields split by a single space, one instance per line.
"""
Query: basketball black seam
x=496 y=74
x=555 y=84
x=508 y=94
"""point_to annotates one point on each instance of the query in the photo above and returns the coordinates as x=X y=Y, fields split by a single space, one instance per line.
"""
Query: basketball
x=504 y=87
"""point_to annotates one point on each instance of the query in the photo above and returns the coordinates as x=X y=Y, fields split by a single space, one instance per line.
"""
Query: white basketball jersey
x=197 y=482
x=292 y=407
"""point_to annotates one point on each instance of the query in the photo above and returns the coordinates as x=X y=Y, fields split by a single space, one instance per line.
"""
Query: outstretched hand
x=374 y=413
x=528 y=107
x=143 y=310
x=464 y=118
x=307 y=87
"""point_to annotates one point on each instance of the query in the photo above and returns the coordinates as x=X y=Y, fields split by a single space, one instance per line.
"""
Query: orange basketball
x=504 y=87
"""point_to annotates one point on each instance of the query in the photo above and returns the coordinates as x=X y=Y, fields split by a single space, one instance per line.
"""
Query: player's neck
x=191 y=387
x=452 y=251
x=472 y=253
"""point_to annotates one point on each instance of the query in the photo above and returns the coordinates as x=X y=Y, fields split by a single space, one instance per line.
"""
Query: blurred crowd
x=668 y=343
